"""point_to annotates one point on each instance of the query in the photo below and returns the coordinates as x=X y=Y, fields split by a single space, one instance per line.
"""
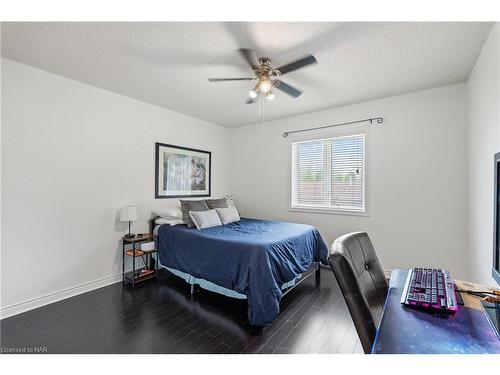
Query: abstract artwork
x=181 y=172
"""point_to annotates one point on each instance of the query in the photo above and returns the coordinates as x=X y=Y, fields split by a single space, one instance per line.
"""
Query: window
x=329 y=173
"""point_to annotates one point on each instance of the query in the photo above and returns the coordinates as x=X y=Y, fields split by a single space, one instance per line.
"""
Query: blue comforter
x=252 y=257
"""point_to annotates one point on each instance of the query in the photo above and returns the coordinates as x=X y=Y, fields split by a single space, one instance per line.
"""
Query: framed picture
x=181 y=172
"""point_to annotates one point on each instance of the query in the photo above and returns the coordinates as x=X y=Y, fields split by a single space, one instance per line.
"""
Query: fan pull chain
x=261 y=109
x=259 y=104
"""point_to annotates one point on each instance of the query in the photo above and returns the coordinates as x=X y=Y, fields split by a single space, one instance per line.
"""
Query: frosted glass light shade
x=128 y=213
x=270 y=96
x=264 y=86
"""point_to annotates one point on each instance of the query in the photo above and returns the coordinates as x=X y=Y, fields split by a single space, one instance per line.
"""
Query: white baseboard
x=18 y=308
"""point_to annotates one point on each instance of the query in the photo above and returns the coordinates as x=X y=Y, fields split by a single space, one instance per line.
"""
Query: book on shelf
x=142 y=273
x=135 y=253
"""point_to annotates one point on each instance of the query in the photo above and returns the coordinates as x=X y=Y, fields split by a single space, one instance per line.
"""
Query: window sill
x=328 y=211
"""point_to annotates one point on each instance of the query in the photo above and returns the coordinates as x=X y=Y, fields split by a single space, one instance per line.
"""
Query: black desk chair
x=362 y=281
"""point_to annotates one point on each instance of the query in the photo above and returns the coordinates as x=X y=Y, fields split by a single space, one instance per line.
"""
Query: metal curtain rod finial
x=378 y=120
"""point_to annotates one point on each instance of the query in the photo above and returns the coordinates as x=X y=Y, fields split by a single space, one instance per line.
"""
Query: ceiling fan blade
x=249 y=57
x=287 y=88
x=308 y=60
x=230 y=79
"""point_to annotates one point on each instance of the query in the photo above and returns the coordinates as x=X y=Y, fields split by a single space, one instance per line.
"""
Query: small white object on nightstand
x=147 y=246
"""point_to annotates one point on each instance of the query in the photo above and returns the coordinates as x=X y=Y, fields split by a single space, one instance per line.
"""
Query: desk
x=406 y=330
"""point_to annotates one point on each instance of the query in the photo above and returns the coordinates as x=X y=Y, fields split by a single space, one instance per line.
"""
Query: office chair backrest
x=362 y=281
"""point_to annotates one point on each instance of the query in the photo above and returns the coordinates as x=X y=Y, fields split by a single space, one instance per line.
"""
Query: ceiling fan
x=268 y=76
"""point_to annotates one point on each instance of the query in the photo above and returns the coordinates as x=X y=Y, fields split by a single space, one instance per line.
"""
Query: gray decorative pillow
x=217 y=203
x=187 y=206
x=228 y=215
x=205 y=219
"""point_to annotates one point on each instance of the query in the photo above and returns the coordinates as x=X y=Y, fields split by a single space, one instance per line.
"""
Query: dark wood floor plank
x=336 y=337
x=221 y=348
x=290 y=323
x=162 y=317
x=206 y=344
x=300 y=339
x=293 y=300
x=324 y=333
x=349 y=341
x=358 y=349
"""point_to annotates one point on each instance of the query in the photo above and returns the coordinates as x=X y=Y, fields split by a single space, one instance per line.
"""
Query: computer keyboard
x=430 y=289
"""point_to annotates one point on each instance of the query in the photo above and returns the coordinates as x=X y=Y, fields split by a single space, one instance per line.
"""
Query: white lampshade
x=128 y=213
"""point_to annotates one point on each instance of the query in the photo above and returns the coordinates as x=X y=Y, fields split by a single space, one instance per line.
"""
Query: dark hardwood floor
x=161 y=317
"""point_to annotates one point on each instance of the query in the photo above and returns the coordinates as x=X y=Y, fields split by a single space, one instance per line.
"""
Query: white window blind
x=329 y=173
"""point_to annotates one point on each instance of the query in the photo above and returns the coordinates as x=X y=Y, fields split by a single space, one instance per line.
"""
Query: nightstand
x=148 y=270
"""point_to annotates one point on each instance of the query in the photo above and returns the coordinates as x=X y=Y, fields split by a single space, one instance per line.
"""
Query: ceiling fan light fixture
x=268 y=76
x=264 y=85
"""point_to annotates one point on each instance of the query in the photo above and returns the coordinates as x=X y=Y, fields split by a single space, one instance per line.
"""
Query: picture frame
x=182 y=172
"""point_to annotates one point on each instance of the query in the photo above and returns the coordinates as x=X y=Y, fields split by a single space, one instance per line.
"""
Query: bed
x=258 y=260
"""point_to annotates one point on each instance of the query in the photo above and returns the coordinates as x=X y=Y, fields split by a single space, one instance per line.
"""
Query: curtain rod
x=378 y=120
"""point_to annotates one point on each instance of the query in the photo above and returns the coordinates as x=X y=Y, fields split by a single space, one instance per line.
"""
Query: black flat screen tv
x=495 y=270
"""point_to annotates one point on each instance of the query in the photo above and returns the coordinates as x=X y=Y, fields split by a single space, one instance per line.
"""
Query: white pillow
x=205 y=219
x=162 y=220
x=228 y=215
x=168 y=212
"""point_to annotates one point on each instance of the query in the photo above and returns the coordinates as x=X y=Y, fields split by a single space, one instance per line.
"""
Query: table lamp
x=128 y=213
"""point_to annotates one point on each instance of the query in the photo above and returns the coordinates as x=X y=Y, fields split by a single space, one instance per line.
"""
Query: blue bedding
x=252 y=257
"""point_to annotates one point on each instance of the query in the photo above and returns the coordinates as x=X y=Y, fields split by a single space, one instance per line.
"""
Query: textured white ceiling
x=168 y=64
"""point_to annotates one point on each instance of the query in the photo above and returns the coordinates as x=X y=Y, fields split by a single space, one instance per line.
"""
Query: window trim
x=343 y=130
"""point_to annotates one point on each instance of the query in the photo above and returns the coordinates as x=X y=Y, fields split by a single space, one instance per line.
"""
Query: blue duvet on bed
x=252 y=257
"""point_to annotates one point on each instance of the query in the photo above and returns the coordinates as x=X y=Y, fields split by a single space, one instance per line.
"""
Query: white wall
x=418 y=176
x=72 y=155
x=483 y=143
